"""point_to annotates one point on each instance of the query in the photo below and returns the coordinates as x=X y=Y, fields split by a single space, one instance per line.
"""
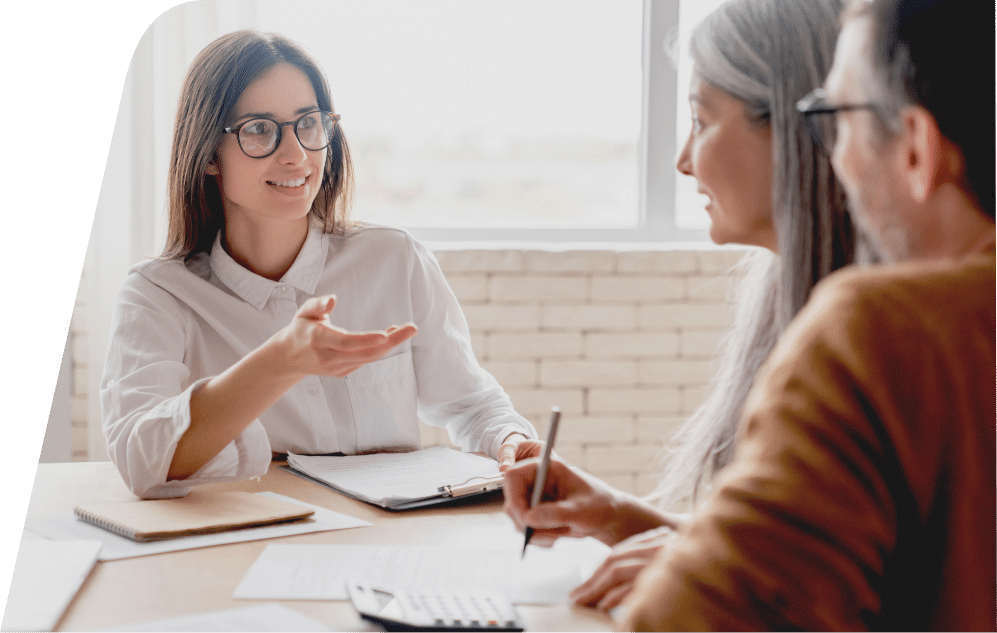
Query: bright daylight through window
x=484 y=114
x=493 y=114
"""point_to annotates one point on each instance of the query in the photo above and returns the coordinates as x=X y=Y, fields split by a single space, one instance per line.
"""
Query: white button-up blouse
x=176 y=325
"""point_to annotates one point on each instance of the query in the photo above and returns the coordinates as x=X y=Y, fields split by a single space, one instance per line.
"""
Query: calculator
x=433 y=609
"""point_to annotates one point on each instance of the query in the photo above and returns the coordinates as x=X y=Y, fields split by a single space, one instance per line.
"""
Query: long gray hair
x=767 y=54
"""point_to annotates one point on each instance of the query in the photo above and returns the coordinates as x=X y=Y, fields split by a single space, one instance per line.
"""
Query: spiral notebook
x=197 y=513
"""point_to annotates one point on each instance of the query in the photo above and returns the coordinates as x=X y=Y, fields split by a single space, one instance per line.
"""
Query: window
x=503 y=119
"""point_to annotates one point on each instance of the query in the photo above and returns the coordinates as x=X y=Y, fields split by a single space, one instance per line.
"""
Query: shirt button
x=312 y=390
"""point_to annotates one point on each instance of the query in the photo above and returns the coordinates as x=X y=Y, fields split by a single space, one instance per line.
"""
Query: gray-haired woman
x=769 y=185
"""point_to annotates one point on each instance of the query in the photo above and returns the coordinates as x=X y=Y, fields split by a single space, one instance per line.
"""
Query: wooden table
x=135 y=590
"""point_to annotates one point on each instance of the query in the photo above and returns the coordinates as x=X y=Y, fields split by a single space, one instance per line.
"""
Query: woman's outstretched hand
x=224 y=406
x=312 y=345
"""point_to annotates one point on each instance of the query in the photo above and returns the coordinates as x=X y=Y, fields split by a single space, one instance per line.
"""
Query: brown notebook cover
x=197 y=513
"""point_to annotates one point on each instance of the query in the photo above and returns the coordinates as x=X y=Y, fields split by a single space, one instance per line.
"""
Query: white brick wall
x=623 y=341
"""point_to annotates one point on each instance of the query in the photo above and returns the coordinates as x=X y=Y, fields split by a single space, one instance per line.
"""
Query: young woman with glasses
x=768 y=185
x=272 y=323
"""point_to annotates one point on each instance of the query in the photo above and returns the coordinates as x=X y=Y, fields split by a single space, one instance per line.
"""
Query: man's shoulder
x=880 y=310
x=910 y=290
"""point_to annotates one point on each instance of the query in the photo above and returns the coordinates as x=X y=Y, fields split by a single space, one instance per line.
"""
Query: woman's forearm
x=223 y=407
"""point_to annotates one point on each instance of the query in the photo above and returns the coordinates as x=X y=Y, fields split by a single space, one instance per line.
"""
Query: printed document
x=319 y=572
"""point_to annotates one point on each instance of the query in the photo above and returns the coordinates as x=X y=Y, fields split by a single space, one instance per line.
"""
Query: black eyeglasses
x=823 y=130
x=260 y=137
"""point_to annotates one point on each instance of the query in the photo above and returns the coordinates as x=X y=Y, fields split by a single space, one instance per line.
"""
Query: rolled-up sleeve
x=145 y=397
x=454 y=390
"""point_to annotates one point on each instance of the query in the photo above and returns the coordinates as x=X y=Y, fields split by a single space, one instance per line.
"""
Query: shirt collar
x=255 y=290
x=305 y=272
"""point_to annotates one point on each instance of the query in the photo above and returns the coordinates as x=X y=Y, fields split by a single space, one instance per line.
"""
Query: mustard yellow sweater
x=862 y=494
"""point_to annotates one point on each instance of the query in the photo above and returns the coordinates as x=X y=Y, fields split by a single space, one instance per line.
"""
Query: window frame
x=657 y=151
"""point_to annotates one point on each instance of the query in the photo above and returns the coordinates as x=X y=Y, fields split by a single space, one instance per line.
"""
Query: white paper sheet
x=47 y=576
x=318 y=572
x=115 y=547
x=386 y=476
x=265 y=617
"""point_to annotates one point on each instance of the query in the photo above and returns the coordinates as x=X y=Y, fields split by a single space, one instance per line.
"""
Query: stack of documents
x=400 y=481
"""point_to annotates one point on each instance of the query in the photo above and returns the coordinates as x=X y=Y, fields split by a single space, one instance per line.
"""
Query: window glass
x=493 y=113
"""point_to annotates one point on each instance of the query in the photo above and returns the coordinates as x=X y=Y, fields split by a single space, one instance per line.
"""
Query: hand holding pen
x=576 y=504
x=541 y=480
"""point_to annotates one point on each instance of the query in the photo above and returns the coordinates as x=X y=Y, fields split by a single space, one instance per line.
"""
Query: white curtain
x=130 y=220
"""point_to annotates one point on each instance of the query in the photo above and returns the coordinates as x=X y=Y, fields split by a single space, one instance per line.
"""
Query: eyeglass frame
x=234 y=129
x=805 y=107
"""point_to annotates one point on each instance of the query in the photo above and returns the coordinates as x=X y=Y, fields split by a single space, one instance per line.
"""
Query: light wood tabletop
x=135 y=590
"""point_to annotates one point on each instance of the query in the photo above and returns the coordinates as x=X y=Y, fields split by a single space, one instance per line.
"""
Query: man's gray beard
x=891 y=243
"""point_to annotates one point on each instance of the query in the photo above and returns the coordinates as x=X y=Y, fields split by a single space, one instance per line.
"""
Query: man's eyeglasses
x=823 y=130
x=260 y=137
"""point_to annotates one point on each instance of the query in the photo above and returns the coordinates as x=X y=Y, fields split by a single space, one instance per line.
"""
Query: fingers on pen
x=520 y=477
x=552 y=514
x=545 y=538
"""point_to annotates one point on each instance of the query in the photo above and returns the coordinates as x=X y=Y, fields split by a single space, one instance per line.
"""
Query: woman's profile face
x=731 y=159
x=280 y=187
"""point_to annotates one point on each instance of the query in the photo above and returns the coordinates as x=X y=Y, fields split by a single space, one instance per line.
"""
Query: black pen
x=541 y=479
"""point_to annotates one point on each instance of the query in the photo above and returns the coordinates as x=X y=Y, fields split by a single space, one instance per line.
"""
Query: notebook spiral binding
x=110 y=526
